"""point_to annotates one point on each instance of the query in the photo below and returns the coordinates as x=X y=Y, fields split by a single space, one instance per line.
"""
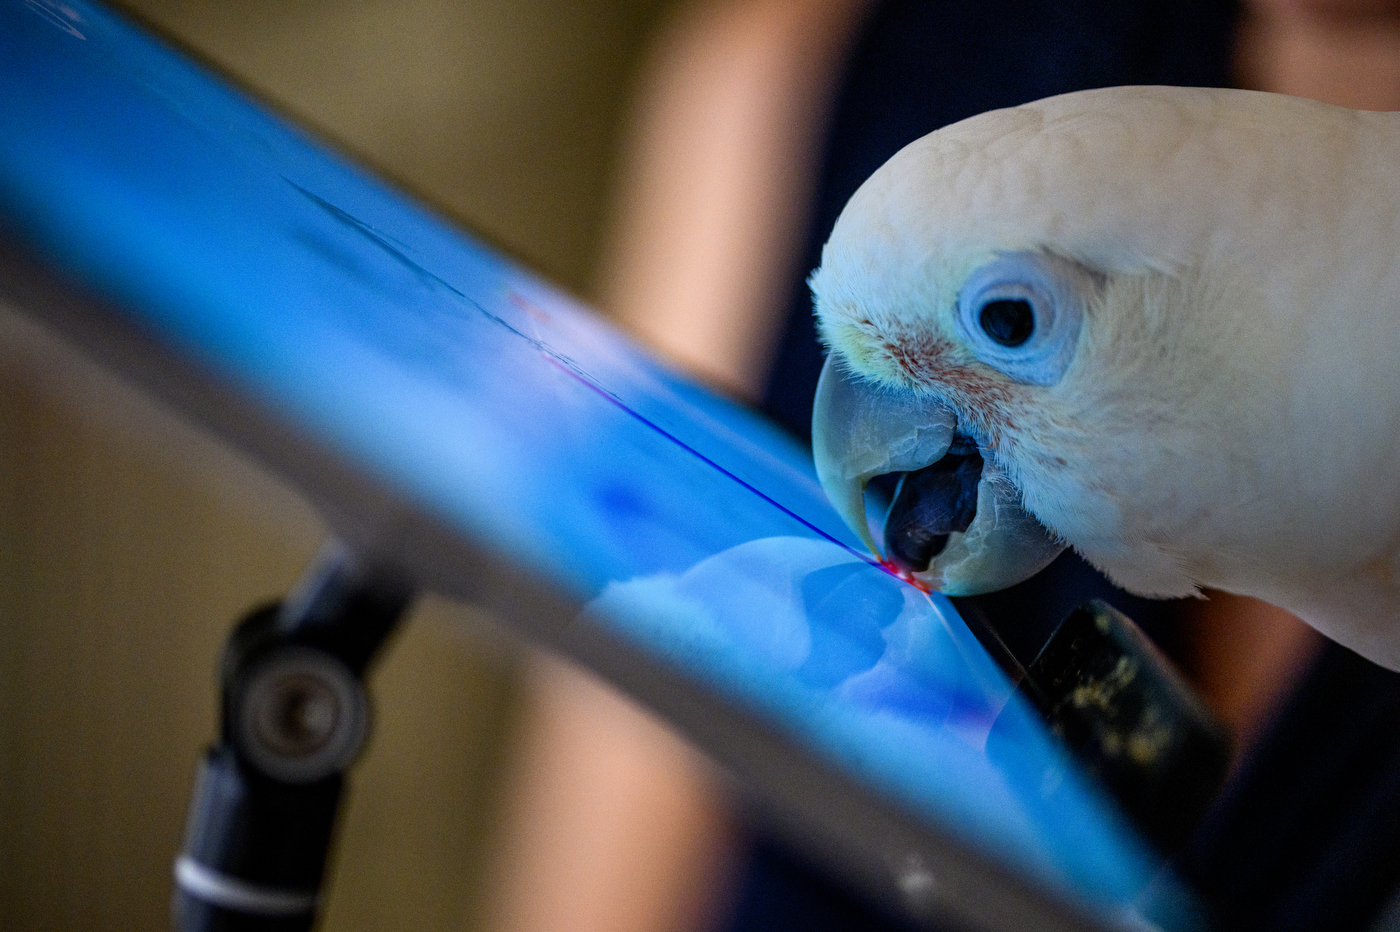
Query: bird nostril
x=928 y=505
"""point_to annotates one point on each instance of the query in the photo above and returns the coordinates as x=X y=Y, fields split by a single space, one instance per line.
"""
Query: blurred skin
x=718 y=177
x=617 y=825
x=1342 y=51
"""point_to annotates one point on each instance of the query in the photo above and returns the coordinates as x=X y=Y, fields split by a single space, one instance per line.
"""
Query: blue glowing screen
x=523 y=421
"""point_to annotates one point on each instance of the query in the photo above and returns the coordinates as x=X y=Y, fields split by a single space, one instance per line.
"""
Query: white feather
x=1231 y=417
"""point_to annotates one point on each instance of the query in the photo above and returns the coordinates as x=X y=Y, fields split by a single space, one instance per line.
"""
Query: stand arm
x=294 y=718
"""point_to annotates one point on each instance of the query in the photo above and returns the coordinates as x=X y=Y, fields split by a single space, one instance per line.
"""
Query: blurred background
x=656 y=157
x=130 y=542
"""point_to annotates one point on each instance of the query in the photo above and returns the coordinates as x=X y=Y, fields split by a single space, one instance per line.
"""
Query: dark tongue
x=928 y=505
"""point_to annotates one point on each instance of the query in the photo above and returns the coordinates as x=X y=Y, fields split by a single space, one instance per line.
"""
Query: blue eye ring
x=1022 y=312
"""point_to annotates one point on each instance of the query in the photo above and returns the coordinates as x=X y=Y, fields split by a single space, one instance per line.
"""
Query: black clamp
x=1129 y=718
x=294 y=718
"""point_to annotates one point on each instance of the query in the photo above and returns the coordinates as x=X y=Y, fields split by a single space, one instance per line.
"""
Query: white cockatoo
x=1158 y=325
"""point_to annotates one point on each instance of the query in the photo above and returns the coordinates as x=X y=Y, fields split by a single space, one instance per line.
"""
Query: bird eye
x=1008 y=321
x=1021 y=314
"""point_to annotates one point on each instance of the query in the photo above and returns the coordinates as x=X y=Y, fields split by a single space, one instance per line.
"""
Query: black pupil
x=1008 y=321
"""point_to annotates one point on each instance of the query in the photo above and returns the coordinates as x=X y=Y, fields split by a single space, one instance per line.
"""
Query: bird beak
x=861 y=430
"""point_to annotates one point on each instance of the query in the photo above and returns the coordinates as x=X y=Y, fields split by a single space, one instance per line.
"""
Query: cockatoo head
x=1100 y=321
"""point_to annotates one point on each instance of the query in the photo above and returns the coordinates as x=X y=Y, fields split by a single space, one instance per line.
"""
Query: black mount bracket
x=294 y=718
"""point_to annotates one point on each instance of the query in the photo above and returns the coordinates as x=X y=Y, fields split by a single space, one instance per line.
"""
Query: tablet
x=452 y=414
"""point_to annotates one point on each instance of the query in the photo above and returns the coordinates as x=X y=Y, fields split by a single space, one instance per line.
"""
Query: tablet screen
x=473 y=392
